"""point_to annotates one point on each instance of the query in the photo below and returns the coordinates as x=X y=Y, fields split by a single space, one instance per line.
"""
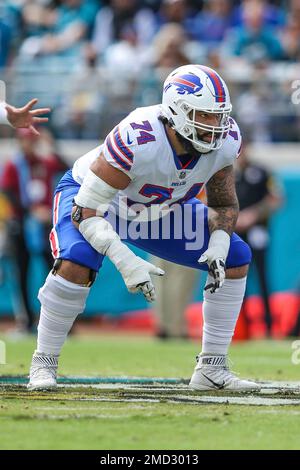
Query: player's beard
x=188 y=146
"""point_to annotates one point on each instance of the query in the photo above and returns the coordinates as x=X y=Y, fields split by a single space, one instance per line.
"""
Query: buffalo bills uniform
x=139 y=146
x=162 y=186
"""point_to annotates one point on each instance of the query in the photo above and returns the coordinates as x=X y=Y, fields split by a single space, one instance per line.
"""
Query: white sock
x=220 y=313
x=61 y=302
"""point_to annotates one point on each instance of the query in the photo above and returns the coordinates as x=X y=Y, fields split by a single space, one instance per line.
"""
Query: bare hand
x=26 y=116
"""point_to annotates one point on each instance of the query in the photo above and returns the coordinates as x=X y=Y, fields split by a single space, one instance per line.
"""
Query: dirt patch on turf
x=172 y=391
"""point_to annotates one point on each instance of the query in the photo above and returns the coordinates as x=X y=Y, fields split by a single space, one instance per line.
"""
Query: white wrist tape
x=102 y=237
x=95 y=193
x=99 y=233
x=220 y=242
x=122 y=257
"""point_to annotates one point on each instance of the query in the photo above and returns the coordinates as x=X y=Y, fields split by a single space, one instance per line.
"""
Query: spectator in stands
x=10 y=13
x=5 y=42
x=169 y=47
x=291 y=33
x=272 y=15
x=72 y=23
x=252 y=111
x=177 y=11
x=253 y=40
x=123 y=20
x=38 y=18
x=211 y=24
x=168 y=51
x=80 y=114
x=28 y=182
x=258 y=198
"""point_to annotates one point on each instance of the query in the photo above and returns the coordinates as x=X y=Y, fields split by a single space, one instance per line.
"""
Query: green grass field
x=118 y=417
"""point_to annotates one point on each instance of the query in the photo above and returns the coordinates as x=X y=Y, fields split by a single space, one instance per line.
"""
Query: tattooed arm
x=223 y=209
x=222 y=201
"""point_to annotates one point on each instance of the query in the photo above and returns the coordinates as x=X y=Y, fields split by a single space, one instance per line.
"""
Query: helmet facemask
x=191 y=128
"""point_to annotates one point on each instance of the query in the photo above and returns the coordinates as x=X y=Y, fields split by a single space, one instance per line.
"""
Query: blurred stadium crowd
x=96 y=59
x=92 y=62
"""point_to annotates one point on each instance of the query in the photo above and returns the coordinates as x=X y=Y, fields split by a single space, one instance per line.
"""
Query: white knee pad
x=60 y=296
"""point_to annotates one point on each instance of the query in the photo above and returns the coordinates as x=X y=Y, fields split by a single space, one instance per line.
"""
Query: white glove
x=137 y=278
x=134 y=270
x=215 y=257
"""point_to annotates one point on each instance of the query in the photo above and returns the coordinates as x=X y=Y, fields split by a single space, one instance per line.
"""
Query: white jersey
x=139 y=146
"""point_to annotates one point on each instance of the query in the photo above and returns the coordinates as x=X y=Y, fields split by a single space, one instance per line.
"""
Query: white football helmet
x=192 y=88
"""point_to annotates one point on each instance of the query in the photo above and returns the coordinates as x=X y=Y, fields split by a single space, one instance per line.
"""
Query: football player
x=158 y=155
x=24 y=117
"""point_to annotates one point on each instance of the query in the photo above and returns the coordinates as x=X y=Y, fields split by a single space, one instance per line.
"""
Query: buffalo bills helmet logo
x=187 y=84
